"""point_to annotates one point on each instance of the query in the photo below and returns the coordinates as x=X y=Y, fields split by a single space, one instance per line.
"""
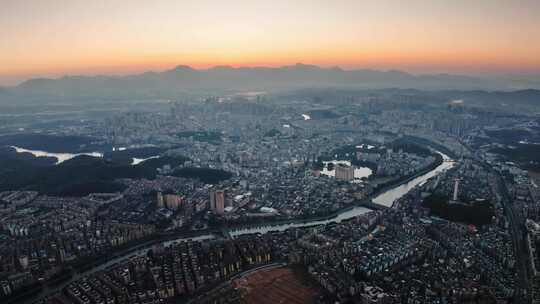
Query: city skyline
x=77 y=38
x=262 y=152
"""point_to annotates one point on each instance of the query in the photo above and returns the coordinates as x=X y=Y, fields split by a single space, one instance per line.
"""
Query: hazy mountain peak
x=302 y=66
x=182 y=68
x=222 y=68
x=398 y=72
x=336 y=69
x=183 y=78
x=35 y=82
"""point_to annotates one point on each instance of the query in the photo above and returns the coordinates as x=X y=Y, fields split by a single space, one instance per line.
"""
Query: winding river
x=386 y=198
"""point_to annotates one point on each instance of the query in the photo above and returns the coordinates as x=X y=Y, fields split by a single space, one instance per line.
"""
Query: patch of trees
x=410 y=147
x=51 y=143
x=272 y=133
x=126 y=156
x=202 y=136
x=477 y=213
x=521 y=153
x=510 y=136
x=322 y=114
x=75 y=177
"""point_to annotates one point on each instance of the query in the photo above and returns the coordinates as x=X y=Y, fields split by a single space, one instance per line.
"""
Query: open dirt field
x=273 y=286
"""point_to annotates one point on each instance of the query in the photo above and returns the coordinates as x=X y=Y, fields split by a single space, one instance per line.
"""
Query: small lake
x=137 y=161
x=60 y=157
x=387 y=198
x=359 y=172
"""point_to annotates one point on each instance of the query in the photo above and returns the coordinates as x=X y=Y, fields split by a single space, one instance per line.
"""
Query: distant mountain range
x=186 y=80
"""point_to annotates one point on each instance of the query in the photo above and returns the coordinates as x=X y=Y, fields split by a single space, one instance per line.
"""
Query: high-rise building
x=344 y=172
x=23 y=261
x=220 y=202
x=212 y=200
x=173 y=201
x=62 y=255
x=244 y=184
x=456 y=190
x=160 y=201
x=6 y=289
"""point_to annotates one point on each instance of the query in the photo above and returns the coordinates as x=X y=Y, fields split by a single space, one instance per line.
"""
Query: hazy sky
x=56 y=37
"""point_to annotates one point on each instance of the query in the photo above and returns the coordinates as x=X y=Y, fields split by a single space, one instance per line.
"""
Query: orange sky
x=56 y=37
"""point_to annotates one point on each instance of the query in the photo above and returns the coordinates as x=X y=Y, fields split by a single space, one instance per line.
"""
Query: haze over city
x=263 y=152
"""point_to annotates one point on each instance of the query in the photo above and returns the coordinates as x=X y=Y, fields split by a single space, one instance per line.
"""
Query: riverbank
x=367 y=202
x=346 y=213
x=405 y=179
x=389 y=196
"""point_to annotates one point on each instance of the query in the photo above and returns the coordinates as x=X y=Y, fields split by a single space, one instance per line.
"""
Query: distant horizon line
x=173 y=67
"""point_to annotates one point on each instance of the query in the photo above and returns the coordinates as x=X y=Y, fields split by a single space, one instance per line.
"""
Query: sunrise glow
x=119 y=37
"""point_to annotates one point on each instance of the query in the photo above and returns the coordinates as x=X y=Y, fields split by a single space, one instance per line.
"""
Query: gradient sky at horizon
x=50 y=38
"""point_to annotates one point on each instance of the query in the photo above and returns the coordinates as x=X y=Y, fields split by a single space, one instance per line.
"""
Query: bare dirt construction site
x=278 y=285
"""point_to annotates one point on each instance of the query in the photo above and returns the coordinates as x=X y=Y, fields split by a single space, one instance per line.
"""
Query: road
x=142 y=248
x=523 y=293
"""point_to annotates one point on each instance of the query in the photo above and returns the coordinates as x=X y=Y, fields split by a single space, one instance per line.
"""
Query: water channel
x=62 y=157
x=386 y=198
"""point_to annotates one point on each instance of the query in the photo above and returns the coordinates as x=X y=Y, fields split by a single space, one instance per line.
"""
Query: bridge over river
x=381 y=201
